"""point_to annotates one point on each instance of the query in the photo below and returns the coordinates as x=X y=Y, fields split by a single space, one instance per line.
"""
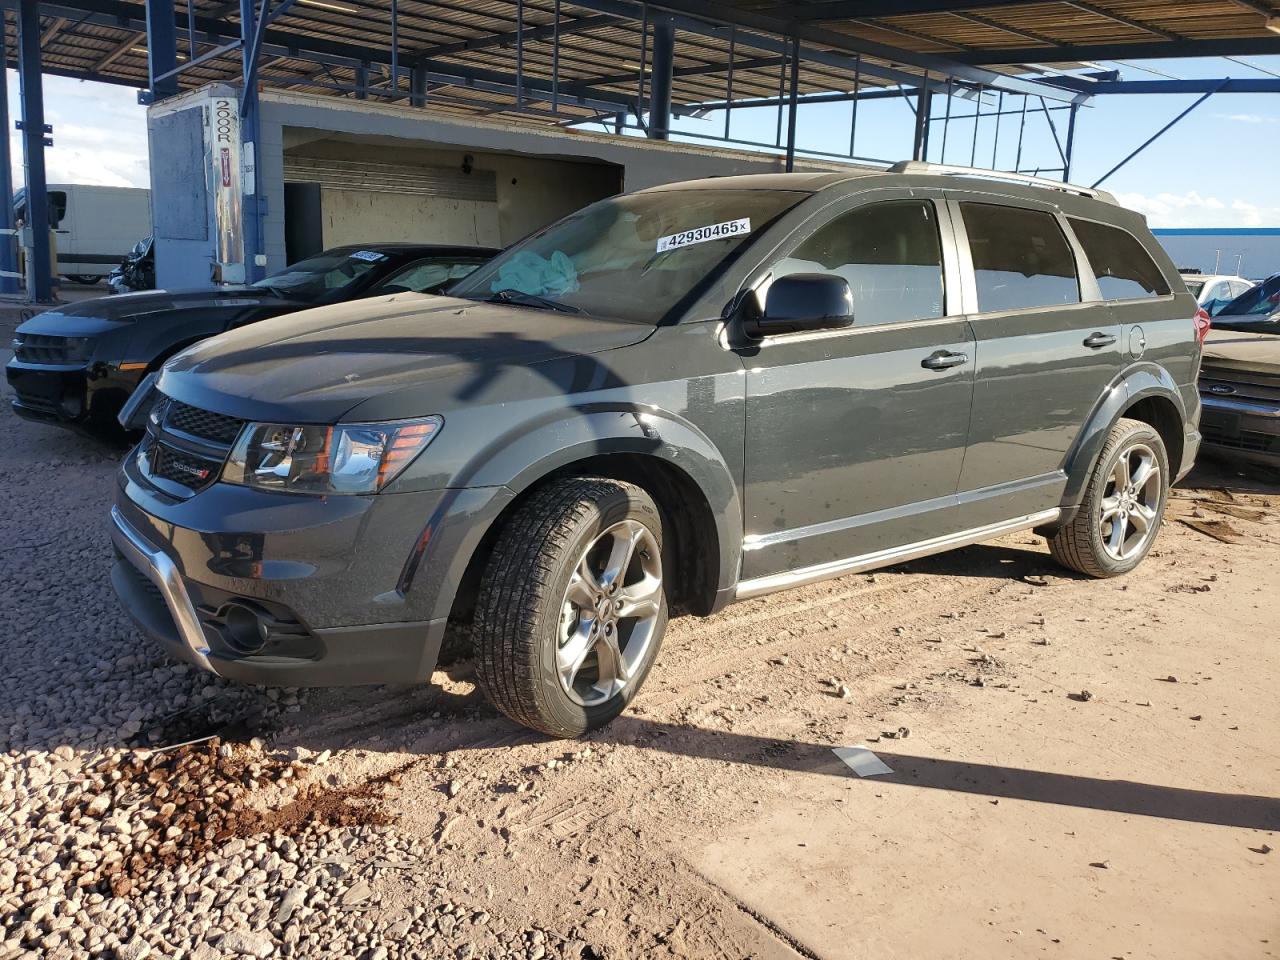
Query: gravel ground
x=117 y=839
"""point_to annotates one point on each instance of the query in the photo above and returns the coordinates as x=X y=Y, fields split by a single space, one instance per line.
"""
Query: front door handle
x=1096 y=341
x=943 y=360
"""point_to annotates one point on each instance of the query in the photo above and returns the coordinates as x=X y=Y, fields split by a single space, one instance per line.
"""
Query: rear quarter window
x=1021 y=259
x=1123 y=268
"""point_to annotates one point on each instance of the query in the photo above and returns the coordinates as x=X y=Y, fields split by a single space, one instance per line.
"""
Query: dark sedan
x=1240 y=378
x=76 y=365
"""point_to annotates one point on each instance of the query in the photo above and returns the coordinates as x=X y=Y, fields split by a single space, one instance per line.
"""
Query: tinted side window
x=1124 y=270
x=1020 y=258
x=889 y=254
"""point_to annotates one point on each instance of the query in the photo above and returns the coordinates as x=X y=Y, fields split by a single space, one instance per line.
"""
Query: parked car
x=75 y=365
x=137 y=271
x=1215 y=290
x=698 y=393
x=1240 y=378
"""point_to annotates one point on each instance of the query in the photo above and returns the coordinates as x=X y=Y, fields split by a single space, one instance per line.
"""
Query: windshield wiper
x=512 y=295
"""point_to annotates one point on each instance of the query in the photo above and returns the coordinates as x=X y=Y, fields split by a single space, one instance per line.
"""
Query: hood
x=92 y=316
x=1233 y=352
x=315 y=365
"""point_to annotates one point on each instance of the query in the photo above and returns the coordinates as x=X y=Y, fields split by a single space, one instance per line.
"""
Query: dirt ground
x=1079 y=768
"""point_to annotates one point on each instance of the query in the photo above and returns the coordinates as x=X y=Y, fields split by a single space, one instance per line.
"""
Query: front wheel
x=572 y=607
x=1123 y=504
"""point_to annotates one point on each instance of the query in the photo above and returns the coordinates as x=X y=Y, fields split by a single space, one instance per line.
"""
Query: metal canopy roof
x=564 y=61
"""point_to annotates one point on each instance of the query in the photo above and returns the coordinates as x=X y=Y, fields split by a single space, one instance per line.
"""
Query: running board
x=886 y=558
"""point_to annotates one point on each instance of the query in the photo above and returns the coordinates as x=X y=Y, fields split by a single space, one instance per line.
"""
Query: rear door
x=1047 y=348
x=855 y=437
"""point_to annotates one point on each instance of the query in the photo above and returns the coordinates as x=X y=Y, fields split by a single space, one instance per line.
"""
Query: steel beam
x=850 y=9
x=162 y=48
x=1246 y=85
x=574 y=25
x=1134 y=50
x=39 y=272
x=1157 y=135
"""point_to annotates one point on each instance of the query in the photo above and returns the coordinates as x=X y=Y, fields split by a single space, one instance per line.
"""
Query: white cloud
x=99 y=134
x=1246 y=118
x=1192 y=209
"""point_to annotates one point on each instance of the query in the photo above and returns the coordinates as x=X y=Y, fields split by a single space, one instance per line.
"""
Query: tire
x=536 y=609
x=88 y=279
x=1090 y=544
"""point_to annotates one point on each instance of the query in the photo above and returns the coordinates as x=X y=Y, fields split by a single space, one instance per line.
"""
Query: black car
x=76 y=365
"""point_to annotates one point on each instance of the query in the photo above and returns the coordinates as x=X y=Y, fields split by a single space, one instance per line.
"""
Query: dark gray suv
x=668 y=401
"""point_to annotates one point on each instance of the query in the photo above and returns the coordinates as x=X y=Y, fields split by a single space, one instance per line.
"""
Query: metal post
x=251 y=208
x=728 y=83
x=362 y=82
x=162 y=48
x=395 y=47
x=519 y=53
x=995 y=140
x=555 y=60
x=8 y=243
x=794 y=81
x=664 y=44
x=977 y=119
x=1022 y=126
x=1071 y=141
x=924 y=109
x=946 y=124
x=36 y=228
x=782 y=91
x=418 y=85
x=853 y=113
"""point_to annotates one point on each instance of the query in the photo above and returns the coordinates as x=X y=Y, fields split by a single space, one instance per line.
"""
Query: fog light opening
x=243 y=629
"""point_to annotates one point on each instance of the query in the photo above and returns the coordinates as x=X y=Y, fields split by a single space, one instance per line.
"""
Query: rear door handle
x=944 y=359
x=1096 y=341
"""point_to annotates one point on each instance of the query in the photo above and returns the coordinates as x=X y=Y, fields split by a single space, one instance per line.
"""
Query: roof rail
x=950 y=170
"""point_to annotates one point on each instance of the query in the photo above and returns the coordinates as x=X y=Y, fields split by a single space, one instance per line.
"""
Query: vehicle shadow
x=1212 y=473
x=1131 y=798
x=993 y=561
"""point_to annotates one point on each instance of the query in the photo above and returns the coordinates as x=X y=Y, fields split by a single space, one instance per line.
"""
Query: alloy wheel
x=1130 y=504
x=609 y=613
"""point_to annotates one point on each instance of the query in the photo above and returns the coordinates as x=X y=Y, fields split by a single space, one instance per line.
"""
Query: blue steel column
x=418 y=85
x=664 y=42
x=251 y=209
x=40 y=282
x=8 y=244
x=162 y=48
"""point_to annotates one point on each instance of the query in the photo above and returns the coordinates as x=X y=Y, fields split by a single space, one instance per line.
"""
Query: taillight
x=1203 y=323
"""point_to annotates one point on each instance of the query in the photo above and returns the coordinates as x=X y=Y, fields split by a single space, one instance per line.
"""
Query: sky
x=1217 y=168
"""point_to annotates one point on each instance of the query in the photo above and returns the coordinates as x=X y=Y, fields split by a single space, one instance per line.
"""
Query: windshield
x=634 y=257
x=428 y=276
x=321 y=275
x=1258 y=309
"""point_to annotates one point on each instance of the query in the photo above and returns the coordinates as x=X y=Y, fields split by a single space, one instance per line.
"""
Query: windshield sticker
x=369 y=256
x=716 y=231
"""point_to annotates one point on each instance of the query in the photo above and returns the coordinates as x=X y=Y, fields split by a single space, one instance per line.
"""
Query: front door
x=855 y=437
x=1048 y=347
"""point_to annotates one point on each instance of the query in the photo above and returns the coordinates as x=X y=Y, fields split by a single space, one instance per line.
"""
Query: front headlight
x=347 y=458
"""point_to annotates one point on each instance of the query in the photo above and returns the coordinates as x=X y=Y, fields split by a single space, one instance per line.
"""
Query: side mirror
x=804 y=301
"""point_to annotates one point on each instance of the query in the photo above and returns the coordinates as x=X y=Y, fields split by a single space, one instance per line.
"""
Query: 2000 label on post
x=714 y=231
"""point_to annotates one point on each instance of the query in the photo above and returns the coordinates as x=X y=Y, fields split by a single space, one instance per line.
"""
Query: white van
x=94 y=227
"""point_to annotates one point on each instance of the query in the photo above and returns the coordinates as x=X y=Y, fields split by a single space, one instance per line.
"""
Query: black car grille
x=178 y=466
x=41 y=348
x=214 y=427
x=185 y=446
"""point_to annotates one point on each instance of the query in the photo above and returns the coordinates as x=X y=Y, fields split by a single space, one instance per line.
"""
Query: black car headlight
x=346 y=458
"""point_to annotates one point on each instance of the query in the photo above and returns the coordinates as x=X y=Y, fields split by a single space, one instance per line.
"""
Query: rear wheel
x=572 y=607
x=1123 y=505
x=89 y=279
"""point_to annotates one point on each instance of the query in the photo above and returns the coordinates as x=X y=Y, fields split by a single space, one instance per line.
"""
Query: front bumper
x=156 y=596
x=70 y=395
x=56 y=394
x=1240 y=429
